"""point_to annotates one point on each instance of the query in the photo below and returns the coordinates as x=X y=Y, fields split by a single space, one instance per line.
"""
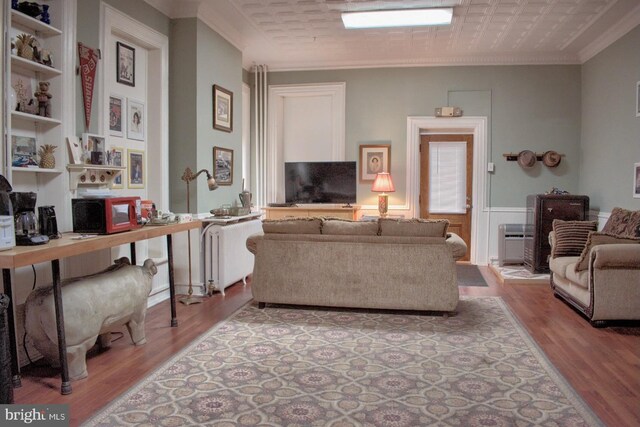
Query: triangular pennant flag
x=88 y=66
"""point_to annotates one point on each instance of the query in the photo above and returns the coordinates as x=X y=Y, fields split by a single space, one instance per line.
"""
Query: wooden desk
x=56 y=249
x=336 y=211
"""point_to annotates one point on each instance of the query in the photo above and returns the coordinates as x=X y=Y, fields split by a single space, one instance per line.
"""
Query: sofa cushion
x=571 y=236
x=292 y=225
x=623 y=222
x=596 y=239
x=413 y=227
x=560 y=265
x=349 y=227
x=580 y=278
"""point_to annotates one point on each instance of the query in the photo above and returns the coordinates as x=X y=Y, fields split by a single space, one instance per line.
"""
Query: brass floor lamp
x=187 y=177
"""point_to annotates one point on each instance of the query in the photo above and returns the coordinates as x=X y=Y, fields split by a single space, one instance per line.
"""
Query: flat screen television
x=320 y=182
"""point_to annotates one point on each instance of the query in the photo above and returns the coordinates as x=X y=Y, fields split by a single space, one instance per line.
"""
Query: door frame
x=476 y=125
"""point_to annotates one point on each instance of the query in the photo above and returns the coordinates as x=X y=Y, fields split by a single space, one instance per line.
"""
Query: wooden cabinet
x=542 y=209
x=301 y=211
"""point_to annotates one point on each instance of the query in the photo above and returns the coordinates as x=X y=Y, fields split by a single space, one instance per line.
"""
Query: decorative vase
x=47 y=159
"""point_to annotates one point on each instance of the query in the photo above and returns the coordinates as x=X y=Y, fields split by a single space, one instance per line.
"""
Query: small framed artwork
x=223 y=165
x=125 y=64
x=638 y=99
x=636 y=180
x=116 y=107
x=222 y=109
x=135 y=167
x=135 y=119
x=114 y=158
x=75 y=150
x=23 y=151
x=93 y=147
x=374 y=159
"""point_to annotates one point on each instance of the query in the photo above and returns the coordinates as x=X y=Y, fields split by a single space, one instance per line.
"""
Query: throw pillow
x=571 y=236
x=596 y=239
x=336 y=226
x=292 y=225
x=623 y=222
x=413 y=227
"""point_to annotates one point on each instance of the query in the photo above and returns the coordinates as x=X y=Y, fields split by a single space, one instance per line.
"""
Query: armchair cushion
x=623 y=222
x=571 y=237
x=596 y=239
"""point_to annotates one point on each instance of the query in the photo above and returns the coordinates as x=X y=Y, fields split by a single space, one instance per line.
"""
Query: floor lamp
x=187 y=177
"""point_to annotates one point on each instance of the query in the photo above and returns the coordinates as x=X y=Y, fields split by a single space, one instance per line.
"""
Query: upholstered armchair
x=598 y=273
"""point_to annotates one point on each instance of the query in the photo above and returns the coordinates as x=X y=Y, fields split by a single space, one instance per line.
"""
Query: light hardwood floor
x=602 y=365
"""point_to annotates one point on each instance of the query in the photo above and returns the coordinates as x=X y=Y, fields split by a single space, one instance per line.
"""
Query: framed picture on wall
x=116 y=108
x=114 y=158
x=125 y=64
x=135 y=119
x=135 y=168
x=223 y=165
x=222 y=109
x=636 y=180
x=374 y=159
x=93 y=147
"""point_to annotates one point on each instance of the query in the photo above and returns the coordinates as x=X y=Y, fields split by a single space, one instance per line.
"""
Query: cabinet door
x=286 y=213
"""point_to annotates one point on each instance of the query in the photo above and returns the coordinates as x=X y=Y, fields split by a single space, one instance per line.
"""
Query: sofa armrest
x=252 y=242
x=457 y=245
x=618 y=256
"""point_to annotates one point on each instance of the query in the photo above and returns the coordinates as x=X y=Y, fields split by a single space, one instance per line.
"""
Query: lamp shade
x=383 y=183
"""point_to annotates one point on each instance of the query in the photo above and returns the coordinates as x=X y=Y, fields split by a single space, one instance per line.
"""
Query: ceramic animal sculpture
x=43 y=96
x=94 y=305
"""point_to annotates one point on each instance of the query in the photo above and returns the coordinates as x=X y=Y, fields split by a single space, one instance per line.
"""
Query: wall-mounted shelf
x=96 y=175
x=19 y=63
x=35 y=170
x=40 y=27
x=19 y=115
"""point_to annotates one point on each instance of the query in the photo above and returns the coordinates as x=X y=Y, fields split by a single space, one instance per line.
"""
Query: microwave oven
x=104 y=215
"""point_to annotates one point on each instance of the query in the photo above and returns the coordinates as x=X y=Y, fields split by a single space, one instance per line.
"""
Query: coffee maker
x=7 y=233
x=24 y=205
x=48 y=222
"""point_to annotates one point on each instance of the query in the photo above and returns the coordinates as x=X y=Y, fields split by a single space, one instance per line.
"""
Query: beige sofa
x=390 y=264
x=598 y=273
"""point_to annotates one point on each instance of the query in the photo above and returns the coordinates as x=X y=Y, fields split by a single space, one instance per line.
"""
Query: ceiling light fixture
x=397 y=18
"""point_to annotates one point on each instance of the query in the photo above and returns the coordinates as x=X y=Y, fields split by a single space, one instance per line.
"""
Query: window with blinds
x=447 y=177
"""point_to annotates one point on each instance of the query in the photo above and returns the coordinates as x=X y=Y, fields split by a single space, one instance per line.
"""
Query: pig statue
x=94 y=305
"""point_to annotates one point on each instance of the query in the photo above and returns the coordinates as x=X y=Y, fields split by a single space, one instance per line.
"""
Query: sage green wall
x=610 y=129
x=183 y=115
x=201 y=58
x=88 y=25
x=529 y=107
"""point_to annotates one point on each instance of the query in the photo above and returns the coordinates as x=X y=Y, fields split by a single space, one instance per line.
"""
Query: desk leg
x=62 y=341
x=172 y=285
x=15 y=366
x=132 y=245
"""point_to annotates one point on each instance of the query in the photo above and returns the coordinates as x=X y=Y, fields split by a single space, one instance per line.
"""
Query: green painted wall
x=529 y=107
x=610 y=129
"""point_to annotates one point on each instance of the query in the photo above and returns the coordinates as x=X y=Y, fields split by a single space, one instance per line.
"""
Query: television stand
x=301 y=211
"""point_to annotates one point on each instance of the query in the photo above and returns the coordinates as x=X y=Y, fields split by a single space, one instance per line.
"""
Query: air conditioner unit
x=511 y=244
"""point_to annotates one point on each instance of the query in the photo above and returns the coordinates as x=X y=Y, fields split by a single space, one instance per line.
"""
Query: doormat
x=469 y=275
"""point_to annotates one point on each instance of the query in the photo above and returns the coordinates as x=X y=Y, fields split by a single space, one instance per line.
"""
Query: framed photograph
x=223 y=165
x=23 y=152
x=135 y=119
x=374 y=159
x=638 y=99
x=135 y=168
x=125 y=64
x=75 y=150
x=636 y=180
x=222 y=109
x=93 y=147
x=116 y=107
x=114 y=158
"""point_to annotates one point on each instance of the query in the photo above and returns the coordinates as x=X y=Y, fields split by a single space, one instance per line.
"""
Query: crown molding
x=626 y=24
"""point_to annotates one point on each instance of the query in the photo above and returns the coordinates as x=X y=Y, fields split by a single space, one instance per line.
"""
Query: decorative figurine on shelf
x=43 y=96
x=14 y=4
x=30 y=8
x=47 y=158
x=42 y=56
x=25 y=46
x=44 y=16
x=24 y=103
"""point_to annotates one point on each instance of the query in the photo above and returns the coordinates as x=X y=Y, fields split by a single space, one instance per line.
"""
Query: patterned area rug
x=311 y=367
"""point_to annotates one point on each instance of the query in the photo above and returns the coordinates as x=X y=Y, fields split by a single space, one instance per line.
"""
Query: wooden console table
x=350 y=212
x=66 y=246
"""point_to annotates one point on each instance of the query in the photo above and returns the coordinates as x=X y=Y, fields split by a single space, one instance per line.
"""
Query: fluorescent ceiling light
x=397 y=18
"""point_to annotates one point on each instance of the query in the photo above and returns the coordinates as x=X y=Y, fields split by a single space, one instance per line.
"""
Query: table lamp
x=187 y=177
x=383 y=184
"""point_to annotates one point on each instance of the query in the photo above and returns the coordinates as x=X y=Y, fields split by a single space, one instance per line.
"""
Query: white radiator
x=511 y=244
x=226 y=257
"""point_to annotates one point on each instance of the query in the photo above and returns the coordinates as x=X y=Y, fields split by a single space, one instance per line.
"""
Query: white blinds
x=447 y=177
